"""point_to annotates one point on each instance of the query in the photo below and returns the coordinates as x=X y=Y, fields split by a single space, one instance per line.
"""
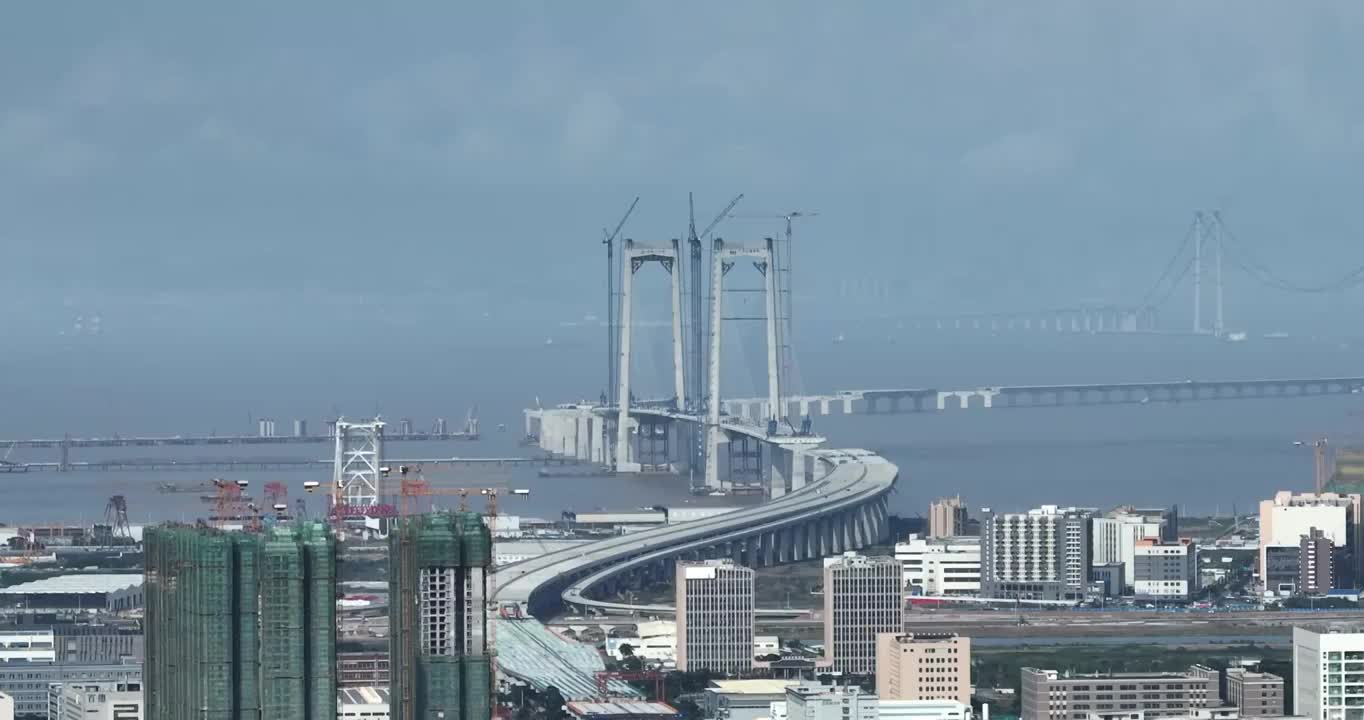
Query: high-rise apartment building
x=714 y=616
x=923 y=666
x=438 y=643
x=1041 y=554
x=862 y=599
x=240 y=624
x=1287 y=517
x=1328 y=670
x=1049 y=695
x=1316 y=560
x=946 y=517
x=944 y=566
x=95 y=701
x=1255 y=694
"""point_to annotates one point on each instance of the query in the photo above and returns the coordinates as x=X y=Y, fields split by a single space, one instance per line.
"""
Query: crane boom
x=723 y=214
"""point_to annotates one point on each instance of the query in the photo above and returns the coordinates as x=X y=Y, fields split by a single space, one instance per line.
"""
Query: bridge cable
x=1240 y=255
x=1174 y=285
x=1169 y=267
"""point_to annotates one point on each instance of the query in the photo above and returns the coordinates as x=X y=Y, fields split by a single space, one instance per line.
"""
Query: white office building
x=6 y=707
x=95 y=701
x=941 y=566
x=1115 y=537
x=1328 y=674
x=1288 y=517
x=714 y=601
x=862 y=599
x=1165 y=571
x=812 y=701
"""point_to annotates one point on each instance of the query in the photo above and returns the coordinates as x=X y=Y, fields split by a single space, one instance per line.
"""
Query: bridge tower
x=357 y=468
x=723 y=259
x=634 y=257
x=1207 y=228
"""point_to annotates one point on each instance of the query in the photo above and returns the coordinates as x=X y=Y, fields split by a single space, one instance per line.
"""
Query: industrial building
x=1050 y=695
x=254 y=616
x=439 y=658
x=95 y=701
x=940 y=567
x=1043 y=554
x=27 y=682
x=714 y=616
x=923 y=666
x=362 y=703
x=111 y=592
x=33 y=657
x=862 y=599
x=813 y=701
x=622 y=710
x=744 y=699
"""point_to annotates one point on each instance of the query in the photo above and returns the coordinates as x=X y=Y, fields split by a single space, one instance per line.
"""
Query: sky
x=292 y=170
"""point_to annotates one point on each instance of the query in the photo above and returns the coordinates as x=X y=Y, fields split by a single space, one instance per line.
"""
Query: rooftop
x=751 y=687
x=623 y=708
x=530 y=652
x=362 y=696
x=1054 y=675
x=76 y=585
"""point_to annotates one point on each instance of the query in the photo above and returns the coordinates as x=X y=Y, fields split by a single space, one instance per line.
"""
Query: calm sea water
x=1207 y=457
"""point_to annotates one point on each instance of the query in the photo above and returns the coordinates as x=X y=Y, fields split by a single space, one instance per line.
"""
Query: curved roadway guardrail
x=852 y=481
x=846 y=487
x=842 y=508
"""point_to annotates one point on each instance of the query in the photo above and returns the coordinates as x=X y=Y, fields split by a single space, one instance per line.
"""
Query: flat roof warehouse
x=114 y=592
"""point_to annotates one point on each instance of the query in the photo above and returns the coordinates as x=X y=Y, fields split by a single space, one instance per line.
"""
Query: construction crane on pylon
x=784 y=285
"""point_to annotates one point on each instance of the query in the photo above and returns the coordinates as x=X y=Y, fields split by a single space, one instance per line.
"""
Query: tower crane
x=609 y=240
x=784 y=284
x=1320 y=470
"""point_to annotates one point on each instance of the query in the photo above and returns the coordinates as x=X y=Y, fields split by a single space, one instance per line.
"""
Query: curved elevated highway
x=844 y=508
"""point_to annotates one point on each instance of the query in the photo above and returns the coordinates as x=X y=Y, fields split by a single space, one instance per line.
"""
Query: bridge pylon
x=723 y=258
x=633 y=258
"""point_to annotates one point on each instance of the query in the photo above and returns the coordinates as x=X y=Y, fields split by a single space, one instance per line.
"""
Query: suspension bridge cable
x=1174 y=285
x=1171 y=265
x=1242 y=257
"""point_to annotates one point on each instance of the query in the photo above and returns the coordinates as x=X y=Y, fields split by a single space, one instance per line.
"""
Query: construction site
x=240 y=624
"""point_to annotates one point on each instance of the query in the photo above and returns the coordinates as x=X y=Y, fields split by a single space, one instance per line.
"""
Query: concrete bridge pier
x=779 y=471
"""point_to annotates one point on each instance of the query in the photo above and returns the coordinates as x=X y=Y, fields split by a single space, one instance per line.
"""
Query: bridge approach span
x=796 y=528
x=843 y=509
x=918 y=400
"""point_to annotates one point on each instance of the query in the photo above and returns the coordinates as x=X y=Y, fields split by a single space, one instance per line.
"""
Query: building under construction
x=440 y=663
x=240 y=625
